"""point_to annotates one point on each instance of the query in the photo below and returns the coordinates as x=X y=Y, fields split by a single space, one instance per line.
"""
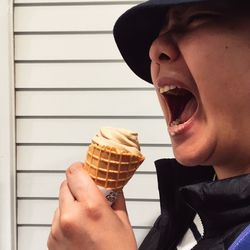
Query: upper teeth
x=167 y=88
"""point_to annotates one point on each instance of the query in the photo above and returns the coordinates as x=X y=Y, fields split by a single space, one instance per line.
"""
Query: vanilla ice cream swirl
x=119 y=138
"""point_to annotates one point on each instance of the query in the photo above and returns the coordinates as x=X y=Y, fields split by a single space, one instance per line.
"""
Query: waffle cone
x=109 y=167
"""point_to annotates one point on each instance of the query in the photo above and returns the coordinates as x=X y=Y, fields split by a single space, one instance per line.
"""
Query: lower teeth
x=176 y=122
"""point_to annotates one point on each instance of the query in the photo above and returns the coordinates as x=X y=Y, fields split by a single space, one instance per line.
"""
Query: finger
x=51 y=243
x=51 y=239
x=82 y=186
x=65 y=197
x=55 y=228
x=120 y=209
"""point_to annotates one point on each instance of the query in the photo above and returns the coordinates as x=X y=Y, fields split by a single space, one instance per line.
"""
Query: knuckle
x=94 y=211
x=53 y=234
x=67 y=225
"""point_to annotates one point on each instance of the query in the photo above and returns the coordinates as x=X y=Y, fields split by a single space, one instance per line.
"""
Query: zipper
x=202 y=235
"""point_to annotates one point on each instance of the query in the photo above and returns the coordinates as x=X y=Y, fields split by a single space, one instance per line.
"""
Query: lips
x=182 y=105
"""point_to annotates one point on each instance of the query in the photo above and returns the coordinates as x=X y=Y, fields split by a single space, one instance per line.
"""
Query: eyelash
x=200 y=16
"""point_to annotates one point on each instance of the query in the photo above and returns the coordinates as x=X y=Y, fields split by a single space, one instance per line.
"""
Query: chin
x=188 y=161
x=193 y=156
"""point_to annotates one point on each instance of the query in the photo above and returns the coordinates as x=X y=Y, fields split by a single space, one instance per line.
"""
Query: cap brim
x=137 y=28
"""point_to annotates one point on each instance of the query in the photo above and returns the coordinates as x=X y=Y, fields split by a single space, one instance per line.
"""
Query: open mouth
x=181 y=102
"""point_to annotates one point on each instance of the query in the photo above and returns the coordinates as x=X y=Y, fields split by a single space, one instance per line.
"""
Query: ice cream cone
x=110 y=167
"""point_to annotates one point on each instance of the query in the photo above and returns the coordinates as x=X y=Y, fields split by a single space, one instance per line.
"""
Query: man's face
x=201 y=72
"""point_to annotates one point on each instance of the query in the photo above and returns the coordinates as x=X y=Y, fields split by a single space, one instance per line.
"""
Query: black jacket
x=223 y=206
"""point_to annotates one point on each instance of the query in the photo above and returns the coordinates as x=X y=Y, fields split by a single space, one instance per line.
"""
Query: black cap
x=136 y=29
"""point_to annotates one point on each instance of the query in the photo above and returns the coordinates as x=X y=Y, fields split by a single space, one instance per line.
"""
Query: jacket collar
x=172 y=175
x=221 y=204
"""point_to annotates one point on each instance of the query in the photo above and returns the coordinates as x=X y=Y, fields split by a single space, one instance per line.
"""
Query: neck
x=223 y=172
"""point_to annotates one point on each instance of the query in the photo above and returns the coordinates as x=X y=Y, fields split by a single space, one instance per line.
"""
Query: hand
x=84 y=219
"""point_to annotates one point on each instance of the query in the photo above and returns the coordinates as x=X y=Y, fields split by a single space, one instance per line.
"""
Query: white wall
x=70 y=81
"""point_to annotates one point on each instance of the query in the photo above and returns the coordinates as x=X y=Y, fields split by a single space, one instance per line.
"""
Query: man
x=197 y=55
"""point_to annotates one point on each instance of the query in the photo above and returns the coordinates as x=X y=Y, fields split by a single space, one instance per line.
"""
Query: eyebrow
x=175 y=14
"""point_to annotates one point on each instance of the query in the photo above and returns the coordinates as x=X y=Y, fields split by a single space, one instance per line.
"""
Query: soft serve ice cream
x=120 y=138
x=112 y=158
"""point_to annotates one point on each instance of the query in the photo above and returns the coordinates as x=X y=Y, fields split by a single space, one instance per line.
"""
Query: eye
x=200 y=18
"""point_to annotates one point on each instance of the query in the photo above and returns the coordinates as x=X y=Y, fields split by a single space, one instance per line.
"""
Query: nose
x=163 y=49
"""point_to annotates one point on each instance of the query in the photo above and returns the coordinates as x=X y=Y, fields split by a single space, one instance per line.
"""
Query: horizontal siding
x=66 y=47
x=70 y=81
x=63 y=130
x=58 y=158
x=40 y=212
x=50 y=183
x=108 y=103
x=76 y=75
x=82 y=18
x=30 y=236
x=37 y=236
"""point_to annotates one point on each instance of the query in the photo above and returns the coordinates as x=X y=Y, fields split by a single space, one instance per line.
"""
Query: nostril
x=163 y=56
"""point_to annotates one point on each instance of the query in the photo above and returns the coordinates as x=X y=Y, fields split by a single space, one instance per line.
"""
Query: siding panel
x=66 y=47
x=82 y=18
x=34 y=130
x=38 y=236
x=40 y=212
x=33 y=238
x=58 y=158
x=29 y=185
x=88 y=103
x=77 y=75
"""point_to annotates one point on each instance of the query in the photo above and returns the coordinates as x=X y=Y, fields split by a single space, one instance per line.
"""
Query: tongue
x=189 y=110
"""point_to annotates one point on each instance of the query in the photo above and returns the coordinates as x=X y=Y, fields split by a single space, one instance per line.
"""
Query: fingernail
x=75 y=168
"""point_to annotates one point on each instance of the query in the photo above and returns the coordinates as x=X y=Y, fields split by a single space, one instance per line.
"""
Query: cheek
x=154 y=70
x=218 y=61
x=222 y=77
x=210 y=67
x=205 y=52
